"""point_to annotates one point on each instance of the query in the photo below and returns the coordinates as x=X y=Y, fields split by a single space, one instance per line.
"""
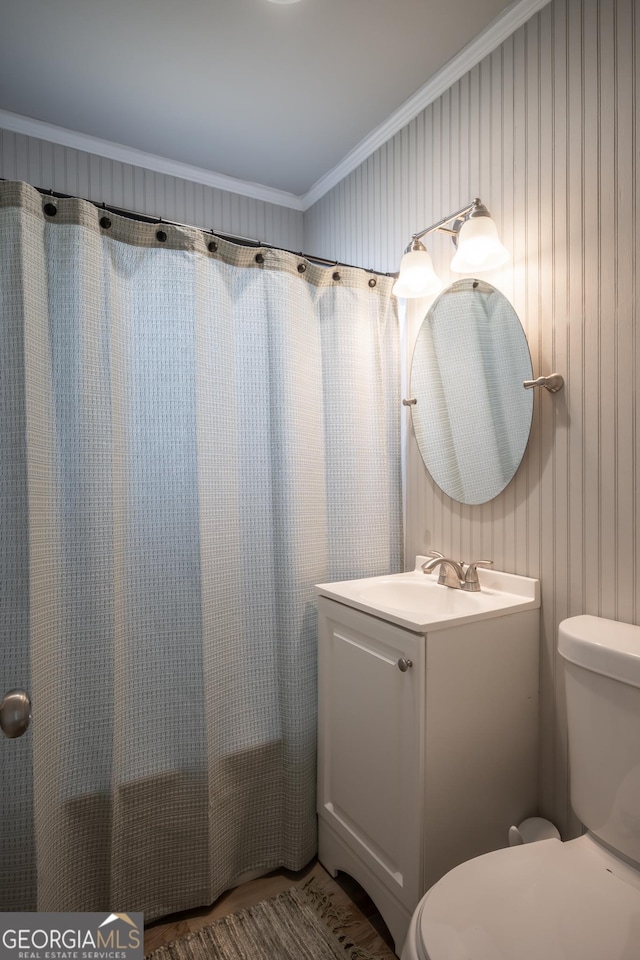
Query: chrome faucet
x=451 y=572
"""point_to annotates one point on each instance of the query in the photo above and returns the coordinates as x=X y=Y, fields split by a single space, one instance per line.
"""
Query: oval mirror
x=472 y=415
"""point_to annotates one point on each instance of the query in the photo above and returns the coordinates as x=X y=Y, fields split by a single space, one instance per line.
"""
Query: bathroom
x=542 y=127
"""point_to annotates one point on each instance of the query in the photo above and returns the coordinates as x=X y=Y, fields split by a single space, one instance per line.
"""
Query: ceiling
x=270 y=93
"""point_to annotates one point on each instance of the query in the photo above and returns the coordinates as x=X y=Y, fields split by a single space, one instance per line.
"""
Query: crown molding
x=17 y=123
x=502 y=27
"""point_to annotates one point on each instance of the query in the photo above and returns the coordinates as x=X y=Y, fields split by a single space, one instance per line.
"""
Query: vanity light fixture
x=417 y=278
x=478 y=248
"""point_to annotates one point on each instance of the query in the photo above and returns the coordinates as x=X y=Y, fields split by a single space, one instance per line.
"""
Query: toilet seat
x=551 y=900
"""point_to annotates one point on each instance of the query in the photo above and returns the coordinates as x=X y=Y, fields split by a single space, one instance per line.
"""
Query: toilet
x=549 y=900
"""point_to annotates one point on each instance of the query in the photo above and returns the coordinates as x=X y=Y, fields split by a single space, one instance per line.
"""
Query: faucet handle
x=471 y=581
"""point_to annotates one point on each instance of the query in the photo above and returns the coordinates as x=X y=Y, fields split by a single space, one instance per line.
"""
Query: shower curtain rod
x=240 y=241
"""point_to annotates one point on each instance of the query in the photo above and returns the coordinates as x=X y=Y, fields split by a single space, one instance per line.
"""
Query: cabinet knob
x=404 y=664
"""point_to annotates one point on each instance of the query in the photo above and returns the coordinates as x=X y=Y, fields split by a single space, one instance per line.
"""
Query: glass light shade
x=417 y=278
x=479 y=247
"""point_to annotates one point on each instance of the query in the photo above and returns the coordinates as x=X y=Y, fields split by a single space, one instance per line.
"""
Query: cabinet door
x=371 y=720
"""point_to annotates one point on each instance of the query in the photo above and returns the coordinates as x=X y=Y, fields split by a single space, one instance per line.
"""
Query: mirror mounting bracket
x=552 y=383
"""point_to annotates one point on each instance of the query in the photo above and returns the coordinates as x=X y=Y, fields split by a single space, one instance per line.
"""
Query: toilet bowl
x=549 y=900
x=540 y=901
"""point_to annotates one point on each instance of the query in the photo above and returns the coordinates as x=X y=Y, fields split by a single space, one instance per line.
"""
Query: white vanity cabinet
x=427 y=747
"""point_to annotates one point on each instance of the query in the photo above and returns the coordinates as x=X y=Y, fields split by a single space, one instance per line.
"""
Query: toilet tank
x=602 y=682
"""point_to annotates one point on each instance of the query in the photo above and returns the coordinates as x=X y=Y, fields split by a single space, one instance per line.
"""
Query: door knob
x=15 y=713
x=404 y=664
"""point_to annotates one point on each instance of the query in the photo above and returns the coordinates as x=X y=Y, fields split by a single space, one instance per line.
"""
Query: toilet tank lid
x=607 y=647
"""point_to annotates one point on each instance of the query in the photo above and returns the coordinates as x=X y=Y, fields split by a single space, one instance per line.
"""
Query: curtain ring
x=105 y=223
x=335 y=275
x=212 y=246
x=302 y=267
x=161 y=236
x=372 y=282
x=259 y=258
x=50 y=209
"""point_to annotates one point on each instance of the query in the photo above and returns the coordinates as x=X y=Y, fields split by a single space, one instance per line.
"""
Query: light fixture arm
x=441 y=224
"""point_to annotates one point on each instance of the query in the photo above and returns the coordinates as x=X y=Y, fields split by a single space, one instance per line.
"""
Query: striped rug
x=302 y=923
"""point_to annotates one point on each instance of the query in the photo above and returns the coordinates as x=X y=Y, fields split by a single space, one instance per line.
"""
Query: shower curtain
x=193 y=434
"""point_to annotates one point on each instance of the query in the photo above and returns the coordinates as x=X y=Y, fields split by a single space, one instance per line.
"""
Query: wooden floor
x=369 y=930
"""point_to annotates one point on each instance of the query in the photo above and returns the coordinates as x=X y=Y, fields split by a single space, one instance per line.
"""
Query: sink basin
x=407 y=592
x=417 y=601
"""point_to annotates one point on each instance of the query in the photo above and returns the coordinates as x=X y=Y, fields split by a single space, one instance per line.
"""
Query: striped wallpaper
x=128 y=187
x=544 y=130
